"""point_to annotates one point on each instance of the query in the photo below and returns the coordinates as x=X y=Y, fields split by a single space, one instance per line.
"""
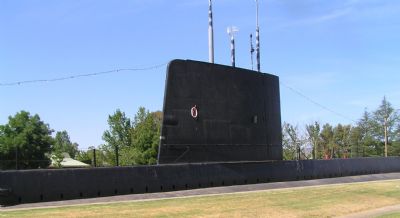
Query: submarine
x=221 y=127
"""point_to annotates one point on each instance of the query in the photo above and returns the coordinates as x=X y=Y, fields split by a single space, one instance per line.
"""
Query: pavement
x=207 y=191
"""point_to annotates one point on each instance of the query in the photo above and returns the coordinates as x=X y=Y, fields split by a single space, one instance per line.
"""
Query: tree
x=341 y=139
x=88 y=157
x=293 y=143
x=357 y=148
x=385 y=121
x=63 y=144
x=145 y=136
x=313 y=131
x=327 y=141
x=119 y=134
x=363 y=137
x=25 y=142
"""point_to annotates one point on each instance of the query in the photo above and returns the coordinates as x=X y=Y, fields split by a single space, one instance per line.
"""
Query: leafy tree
x=62 y=143
x=313 y=131
x=145 y=135
x=145 y=138
x=341 y=139
x=363 y=136
x=357 y=148
x=385 y=123
x=293 y=143
x=88 y=157
x=327 y=143
x=27 y=139
x=84 y=156
x=118 y=136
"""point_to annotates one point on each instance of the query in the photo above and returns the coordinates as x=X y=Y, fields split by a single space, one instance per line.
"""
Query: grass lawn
x=321 y=201
x=390 y=215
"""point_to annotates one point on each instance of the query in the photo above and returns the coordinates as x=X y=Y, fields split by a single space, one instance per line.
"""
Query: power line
x=316 y=103
x=155 y=67
x=81 y=75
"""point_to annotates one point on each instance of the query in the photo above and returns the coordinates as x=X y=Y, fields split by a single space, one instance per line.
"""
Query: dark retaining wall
x=61 y=184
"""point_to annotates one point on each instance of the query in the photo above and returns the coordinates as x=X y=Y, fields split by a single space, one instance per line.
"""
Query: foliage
x=118 y=136
x=294 y=143
x=313 y=131
x=341 y=139
x=62 y=143
x=27 y=139
x=145 y=135
x=364 y=139
x=137 y=141
x=385 y=117
x=327 y=144
x=88 y=157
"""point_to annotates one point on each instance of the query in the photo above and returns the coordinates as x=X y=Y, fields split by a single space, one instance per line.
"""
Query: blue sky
x=343 y=54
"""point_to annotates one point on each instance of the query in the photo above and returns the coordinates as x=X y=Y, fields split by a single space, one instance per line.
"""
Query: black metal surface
x=238 y=114
x=52 y=185
x=238 y=124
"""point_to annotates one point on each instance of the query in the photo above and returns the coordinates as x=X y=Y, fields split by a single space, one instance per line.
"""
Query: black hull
x=28 y=186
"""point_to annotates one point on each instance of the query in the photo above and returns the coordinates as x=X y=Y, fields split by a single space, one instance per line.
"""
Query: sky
x=334 y=58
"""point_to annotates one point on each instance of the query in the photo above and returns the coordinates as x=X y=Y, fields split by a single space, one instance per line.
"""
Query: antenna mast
x=257 y=39
x=210 y=34
x=251 y=50
x=231 y=32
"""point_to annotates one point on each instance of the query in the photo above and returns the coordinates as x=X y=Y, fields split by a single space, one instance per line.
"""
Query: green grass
x=321 y=201
x=390 y=215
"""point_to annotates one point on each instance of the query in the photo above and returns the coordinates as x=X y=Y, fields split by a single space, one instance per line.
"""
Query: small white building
x=68 y=162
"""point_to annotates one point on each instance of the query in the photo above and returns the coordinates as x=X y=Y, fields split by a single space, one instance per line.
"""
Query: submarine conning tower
x=217 y=113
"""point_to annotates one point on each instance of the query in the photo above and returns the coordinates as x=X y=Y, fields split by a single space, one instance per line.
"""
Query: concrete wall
x=61 y=184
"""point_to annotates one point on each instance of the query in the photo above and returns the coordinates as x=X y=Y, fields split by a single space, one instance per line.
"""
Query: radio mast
x=210 y=34
x=257 y=40
x=251 y=50
x=231 y=32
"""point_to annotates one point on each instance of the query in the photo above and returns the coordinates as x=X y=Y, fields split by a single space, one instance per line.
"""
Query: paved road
x=208 y=191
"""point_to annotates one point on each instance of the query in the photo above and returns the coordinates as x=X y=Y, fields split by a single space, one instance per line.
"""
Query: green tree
x=293 y=143
x=313 y=131
x=118 y=136
x=341 y=139
x=62 y=143
x=363 y=137
x=327 y=143
x=88 y=156
x=357 y=148
x=25 y=141
x=385 y=123
x=145 y=135
x=84 y=156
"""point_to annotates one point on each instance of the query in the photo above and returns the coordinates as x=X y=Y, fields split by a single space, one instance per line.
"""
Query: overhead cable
x=316 y=103
x=81 y=75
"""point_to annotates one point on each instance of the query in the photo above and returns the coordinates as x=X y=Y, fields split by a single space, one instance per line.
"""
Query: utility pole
x=16 y=157
x=116 y=155
x=386 y=136
x=298 y=152
x=210 y=33
x=94 y=157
